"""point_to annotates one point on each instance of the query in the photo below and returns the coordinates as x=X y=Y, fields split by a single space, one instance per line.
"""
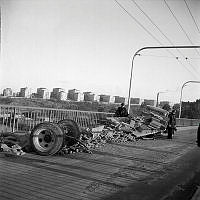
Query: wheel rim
x=44 y=139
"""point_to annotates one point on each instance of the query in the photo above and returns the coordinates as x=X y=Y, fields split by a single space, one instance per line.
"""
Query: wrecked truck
x=49 y=138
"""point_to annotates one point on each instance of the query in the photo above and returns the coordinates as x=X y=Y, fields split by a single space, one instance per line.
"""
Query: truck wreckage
x=65 y=137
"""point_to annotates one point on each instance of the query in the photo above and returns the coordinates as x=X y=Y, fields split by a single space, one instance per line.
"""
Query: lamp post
x=153 y=47
x=184 y=84
x=157 y=97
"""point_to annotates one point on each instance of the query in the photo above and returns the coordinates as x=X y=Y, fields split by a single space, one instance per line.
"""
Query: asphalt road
x=180 y=179
x=141 y=170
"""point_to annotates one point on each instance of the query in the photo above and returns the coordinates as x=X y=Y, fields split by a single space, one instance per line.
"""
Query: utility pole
x=151 y=47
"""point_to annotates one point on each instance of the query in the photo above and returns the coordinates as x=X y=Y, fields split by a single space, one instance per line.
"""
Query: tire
x=69 y=128
x=46 y=138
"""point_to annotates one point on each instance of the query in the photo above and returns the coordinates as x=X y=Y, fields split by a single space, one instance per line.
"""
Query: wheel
x=70 y=128
x=46 y=138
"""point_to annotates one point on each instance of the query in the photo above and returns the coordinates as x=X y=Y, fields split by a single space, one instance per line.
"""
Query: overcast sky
x=89 y=44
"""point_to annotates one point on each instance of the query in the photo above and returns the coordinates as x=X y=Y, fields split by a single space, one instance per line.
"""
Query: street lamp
x=157 y=97
x=144 y=48
x=184 y=84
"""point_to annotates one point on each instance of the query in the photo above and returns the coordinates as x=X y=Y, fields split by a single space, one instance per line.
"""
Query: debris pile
x=65 y=137
x=9 y=144
x=115 y=130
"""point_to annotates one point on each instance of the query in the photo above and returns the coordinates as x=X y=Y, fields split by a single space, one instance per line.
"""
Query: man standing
x=171 y=126
x=121 y=111
x=198 y=136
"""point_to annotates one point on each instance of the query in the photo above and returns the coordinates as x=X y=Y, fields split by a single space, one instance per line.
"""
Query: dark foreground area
x=143 y=169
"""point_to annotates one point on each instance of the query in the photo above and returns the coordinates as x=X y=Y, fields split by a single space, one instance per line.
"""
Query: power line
x=195 y=58
x=138 y=22
x=179 y=24
x=149 y=18
x=192 y=66
x=141 y=25
x=162 y=56
x=187 y=68
x=167 y=38
x=185 y=59
x=192 y=16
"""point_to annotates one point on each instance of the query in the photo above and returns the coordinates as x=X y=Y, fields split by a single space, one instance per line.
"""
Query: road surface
x=144 y=169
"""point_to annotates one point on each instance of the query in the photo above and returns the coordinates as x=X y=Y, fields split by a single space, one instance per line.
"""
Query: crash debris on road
x=65 y=137
x=9 y=145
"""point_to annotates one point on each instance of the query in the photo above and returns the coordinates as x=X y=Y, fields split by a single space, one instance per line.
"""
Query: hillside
x=50 y=103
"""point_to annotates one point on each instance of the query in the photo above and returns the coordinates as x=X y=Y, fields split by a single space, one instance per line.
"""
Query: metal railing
x=20 y=118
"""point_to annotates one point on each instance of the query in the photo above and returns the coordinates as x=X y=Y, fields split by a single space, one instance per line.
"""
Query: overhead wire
x=192 y=16
x=162 y=56
x=192 y=66
x=178 y=59
x=167 y=38
x=138 y=22
x=176 y=19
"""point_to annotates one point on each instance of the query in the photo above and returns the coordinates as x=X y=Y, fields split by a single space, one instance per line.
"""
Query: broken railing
x=16 y=118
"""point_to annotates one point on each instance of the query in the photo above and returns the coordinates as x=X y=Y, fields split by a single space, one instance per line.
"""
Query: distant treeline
x=191 y=110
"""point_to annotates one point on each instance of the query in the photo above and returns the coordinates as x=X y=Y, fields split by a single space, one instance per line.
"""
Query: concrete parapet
x=187 y=122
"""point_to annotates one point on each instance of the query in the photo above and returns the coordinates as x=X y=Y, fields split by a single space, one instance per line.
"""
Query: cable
x=152 y=21
x=138 y=22
x=192 y=66
x=185 y=59
x=167 y=38
x=188 y=69
x=149 y=18
x=180 y=24
x=132 y=17
x=192 y=16
x=194 y=58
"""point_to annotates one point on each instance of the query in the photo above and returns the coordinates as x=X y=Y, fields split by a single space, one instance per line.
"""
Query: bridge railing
x=187 y=122
x=16 y=118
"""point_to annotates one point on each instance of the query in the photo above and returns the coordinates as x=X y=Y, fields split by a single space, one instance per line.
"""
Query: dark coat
x=121 y=112
x=171 y=120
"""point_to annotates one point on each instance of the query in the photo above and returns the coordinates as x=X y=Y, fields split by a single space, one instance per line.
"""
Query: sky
x=89 y=45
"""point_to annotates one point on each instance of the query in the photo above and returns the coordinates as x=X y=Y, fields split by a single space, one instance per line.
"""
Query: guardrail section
x=16 y=118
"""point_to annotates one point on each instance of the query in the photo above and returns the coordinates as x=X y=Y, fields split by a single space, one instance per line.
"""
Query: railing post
x=13 y=118
x=50 y=116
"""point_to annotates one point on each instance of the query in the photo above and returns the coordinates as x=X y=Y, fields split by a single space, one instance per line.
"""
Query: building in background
x=89 y=96
x=7 y=92
x=59 y=94
x=104 y=98
x=62 y=96
x=43 y=93
x=118 y=99
x=137 y=101
x=25 y=92
x=75 y=95
x=150 y=102
x=190 y=110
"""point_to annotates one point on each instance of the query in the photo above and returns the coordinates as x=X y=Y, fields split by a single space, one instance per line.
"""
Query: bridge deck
x=89 y=176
